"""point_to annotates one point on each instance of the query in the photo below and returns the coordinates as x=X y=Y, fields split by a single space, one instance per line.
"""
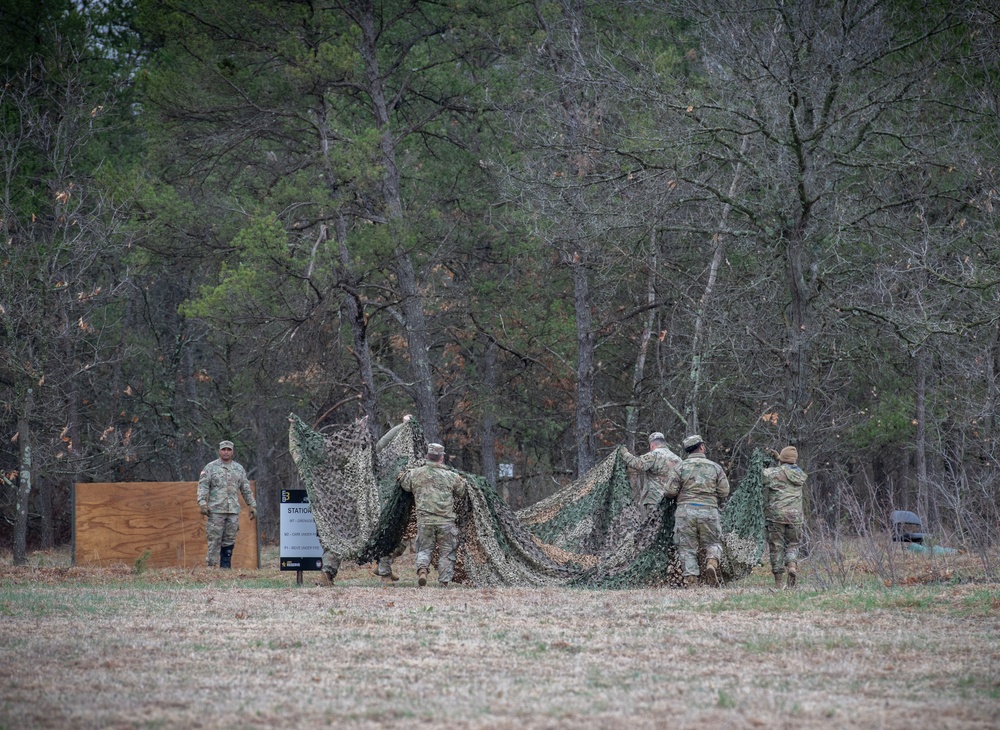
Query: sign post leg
x=298 y=577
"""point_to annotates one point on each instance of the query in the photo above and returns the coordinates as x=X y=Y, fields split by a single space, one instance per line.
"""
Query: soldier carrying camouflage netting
x=591 y=533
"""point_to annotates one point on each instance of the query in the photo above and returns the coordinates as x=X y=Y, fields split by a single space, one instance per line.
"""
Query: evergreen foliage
x=546 y=229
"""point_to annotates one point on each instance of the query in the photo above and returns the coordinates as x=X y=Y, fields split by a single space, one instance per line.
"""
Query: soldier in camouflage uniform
x=657 y=464
x=783 y=513
x=219 y=486
x=700 y=487
x=435 y=489
x=331 y=561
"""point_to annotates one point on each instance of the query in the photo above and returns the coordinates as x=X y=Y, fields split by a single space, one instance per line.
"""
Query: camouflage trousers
x=385 y=562
x=331 y=564
x=331 y=561
x=221 y=529
x=694 y=528
x=446 y=538
x=783 y=541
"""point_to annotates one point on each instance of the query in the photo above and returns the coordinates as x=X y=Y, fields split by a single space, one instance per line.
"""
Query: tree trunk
x=695 y=376
x=182 y=367
x=353 y=304
x=267 y=494
x=418 y=348
x=488 y=395
x=70 y=439
x=703 y=303
x=24 y=480
x=797 y=393
x=46 y=514
x=585 y=450
x=920 y=453
x=632 y=411
x=414 y=321
x=187 y=413
x=990 y=422
x=359 y=330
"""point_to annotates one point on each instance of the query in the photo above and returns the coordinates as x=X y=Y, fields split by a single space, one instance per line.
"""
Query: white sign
x=300 y=548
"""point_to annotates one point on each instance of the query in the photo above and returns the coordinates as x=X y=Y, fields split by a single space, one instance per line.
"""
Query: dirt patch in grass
x=112 y=648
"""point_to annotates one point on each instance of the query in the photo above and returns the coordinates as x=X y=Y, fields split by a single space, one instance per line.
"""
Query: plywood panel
x=118 y=522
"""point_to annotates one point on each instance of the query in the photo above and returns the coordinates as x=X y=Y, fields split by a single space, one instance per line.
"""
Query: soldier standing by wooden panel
x=219 y=487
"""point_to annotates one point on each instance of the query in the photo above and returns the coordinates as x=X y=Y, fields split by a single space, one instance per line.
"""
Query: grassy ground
x=132 y=648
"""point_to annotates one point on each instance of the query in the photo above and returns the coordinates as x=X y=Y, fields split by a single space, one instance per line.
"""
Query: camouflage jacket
x=220 y=484
x=435 y=488
x=698 y=481
x=783 y=494
x=657 y=465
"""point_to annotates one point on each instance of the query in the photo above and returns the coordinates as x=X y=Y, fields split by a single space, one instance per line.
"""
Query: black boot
x=226 y=557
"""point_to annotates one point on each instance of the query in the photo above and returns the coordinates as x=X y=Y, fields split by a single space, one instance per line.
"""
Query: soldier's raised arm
x=630 y=460
x=389 y=435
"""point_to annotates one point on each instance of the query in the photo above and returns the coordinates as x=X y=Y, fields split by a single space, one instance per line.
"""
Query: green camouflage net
x=578 y=518
x=743 y=522
x=591 y=533
x=596 y=515
x=640 y=552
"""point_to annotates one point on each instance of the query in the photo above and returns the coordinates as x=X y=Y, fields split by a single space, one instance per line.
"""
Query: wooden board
x=118 y=522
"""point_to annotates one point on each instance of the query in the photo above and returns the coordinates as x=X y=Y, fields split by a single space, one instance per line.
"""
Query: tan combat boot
x=391 y=578
x=421 y=576
x=779 y=581
x=791 y=568
x=712 y=572
x=690 y=581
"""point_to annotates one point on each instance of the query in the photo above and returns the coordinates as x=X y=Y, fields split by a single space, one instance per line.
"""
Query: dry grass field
x=132 y=648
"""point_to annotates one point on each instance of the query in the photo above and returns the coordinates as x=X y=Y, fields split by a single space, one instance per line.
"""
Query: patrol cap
x=435 y=450
x=656 y=436
x=788 y=455
x=692 y=442
x=225 y=445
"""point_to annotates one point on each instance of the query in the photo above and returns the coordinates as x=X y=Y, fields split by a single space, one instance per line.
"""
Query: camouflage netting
x=338 y=473
x=591 y=533
x=743 y=522
x=578 y=518
x=358 y=514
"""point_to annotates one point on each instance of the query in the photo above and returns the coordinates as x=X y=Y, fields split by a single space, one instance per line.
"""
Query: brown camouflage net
x=337 y=470
x=591 y=533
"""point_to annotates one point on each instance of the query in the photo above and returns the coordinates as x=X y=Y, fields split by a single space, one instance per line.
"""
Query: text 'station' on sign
x=300 y=548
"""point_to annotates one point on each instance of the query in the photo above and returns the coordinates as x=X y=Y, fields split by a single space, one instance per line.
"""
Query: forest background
x=543 y=228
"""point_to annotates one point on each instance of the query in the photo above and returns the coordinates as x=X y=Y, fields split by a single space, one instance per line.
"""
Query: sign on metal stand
x=300 y=548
